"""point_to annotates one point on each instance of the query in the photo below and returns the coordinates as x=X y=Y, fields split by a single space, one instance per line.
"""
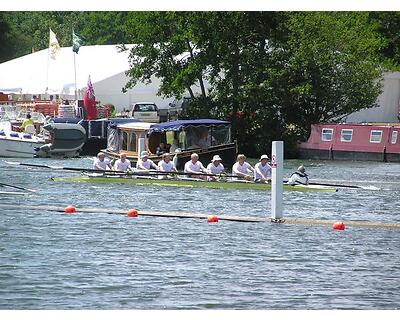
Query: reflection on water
x=98 y=261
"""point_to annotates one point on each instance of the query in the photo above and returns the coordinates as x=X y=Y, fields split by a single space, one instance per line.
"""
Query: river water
x=52 y=260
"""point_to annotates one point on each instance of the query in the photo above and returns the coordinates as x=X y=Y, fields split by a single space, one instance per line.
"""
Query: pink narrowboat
x=349 y=141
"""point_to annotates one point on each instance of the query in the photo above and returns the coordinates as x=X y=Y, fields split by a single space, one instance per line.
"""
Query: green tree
x=165 y=48
x=30 y=30
x=388 y=26
x=328 y=67
x=271 y=73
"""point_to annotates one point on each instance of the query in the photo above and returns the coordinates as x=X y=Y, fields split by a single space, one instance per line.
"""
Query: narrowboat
x=349 y=141
x=206 y=137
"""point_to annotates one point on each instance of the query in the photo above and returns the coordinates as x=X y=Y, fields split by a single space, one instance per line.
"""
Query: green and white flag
x=77 y=42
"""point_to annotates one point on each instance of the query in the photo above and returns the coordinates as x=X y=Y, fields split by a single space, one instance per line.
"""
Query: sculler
x=299 y=177
x=242 y=168
x=145 y=163
x=122 y=164
x=262 y=170
x=215 y=167
x=101 y=162
x=195 y=166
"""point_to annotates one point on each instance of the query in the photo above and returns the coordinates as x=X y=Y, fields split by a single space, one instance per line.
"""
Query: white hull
x=13 y=148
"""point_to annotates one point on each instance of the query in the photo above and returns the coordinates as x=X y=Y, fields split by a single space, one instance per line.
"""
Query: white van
x=146 y=111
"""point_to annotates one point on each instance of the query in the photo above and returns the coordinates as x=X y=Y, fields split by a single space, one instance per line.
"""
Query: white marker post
x=141 y=147
x=277 y=180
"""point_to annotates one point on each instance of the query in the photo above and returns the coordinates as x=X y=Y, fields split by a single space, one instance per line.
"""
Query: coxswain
x=299 y=177
x=194 y=167
x=262 y=170
x=101 y=162
x=242 y=168
x=122 y=164
x=215 y=167
x=145 y=163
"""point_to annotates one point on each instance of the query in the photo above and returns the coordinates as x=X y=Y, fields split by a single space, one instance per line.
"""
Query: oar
x=143 y=172
x=61 y=168
x=338 y=185
x=16 y=187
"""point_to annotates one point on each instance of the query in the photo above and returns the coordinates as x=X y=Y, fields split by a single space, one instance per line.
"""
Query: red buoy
x=70 y=209
x=212 y=219
x=132 y=213
x=338 y=226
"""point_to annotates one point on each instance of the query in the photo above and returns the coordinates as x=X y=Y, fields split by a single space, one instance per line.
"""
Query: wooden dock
x=178 y=214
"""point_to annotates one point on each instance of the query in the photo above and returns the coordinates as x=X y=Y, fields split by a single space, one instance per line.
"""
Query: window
x=394 y=137
x=132 y=142
x=327 y=134
x=128 y=141
x=145 y=107
x=375 y=136
x=124 y=140
x=346 y=135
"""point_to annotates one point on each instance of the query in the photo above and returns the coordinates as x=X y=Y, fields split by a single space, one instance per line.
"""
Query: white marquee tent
x=106 y=65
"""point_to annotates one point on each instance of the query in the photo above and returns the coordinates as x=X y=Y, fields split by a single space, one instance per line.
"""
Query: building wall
x=110 y=91
x=388 y=101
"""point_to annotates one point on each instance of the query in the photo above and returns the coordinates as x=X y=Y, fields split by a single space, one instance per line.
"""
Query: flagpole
x=48 y=60
x=73 y=52
x=76 y=90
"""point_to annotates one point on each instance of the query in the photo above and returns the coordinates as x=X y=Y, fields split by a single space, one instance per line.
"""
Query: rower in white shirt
x=299 y=177
x=145 y=163
x=166 y=165
x=242 y=168
x=262 y=170
x=101 y=162
x=122 y=164
x=215 y=167
x=194 y=166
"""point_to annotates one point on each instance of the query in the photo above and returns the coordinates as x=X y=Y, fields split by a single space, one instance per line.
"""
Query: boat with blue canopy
x=206 y=137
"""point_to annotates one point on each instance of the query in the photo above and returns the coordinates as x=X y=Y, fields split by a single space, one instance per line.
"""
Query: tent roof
x=31 y=73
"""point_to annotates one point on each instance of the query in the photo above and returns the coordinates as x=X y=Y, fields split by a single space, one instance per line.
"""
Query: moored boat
x=67 y=139
x=187 y=183
x=56 y=140
x=206 y=137
x=18 y=144
x=349 y=141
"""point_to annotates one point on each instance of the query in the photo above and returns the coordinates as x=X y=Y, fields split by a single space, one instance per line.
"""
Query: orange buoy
x=338 y=226
x=70 y=209
x=132 y=213
x=212 y=219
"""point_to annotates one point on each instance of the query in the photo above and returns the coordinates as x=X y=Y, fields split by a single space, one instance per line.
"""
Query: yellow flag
x=54 y=47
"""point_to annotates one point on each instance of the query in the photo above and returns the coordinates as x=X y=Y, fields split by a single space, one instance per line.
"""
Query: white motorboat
x=18 y=144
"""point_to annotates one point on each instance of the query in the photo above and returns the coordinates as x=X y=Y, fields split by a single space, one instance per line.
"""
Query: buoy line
x=212 y=218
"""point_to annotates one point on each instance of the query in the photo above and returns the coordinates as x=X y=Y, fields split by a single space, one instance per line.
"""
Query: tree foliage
x=27 y=31
x=271 y=74
x=328 y=67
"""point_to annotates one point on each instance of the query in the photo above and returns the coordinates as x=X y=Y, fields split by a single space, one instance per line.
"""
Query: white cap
x=264 y=156
x=144 y=154
x=301 y=169
x=216 y=158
